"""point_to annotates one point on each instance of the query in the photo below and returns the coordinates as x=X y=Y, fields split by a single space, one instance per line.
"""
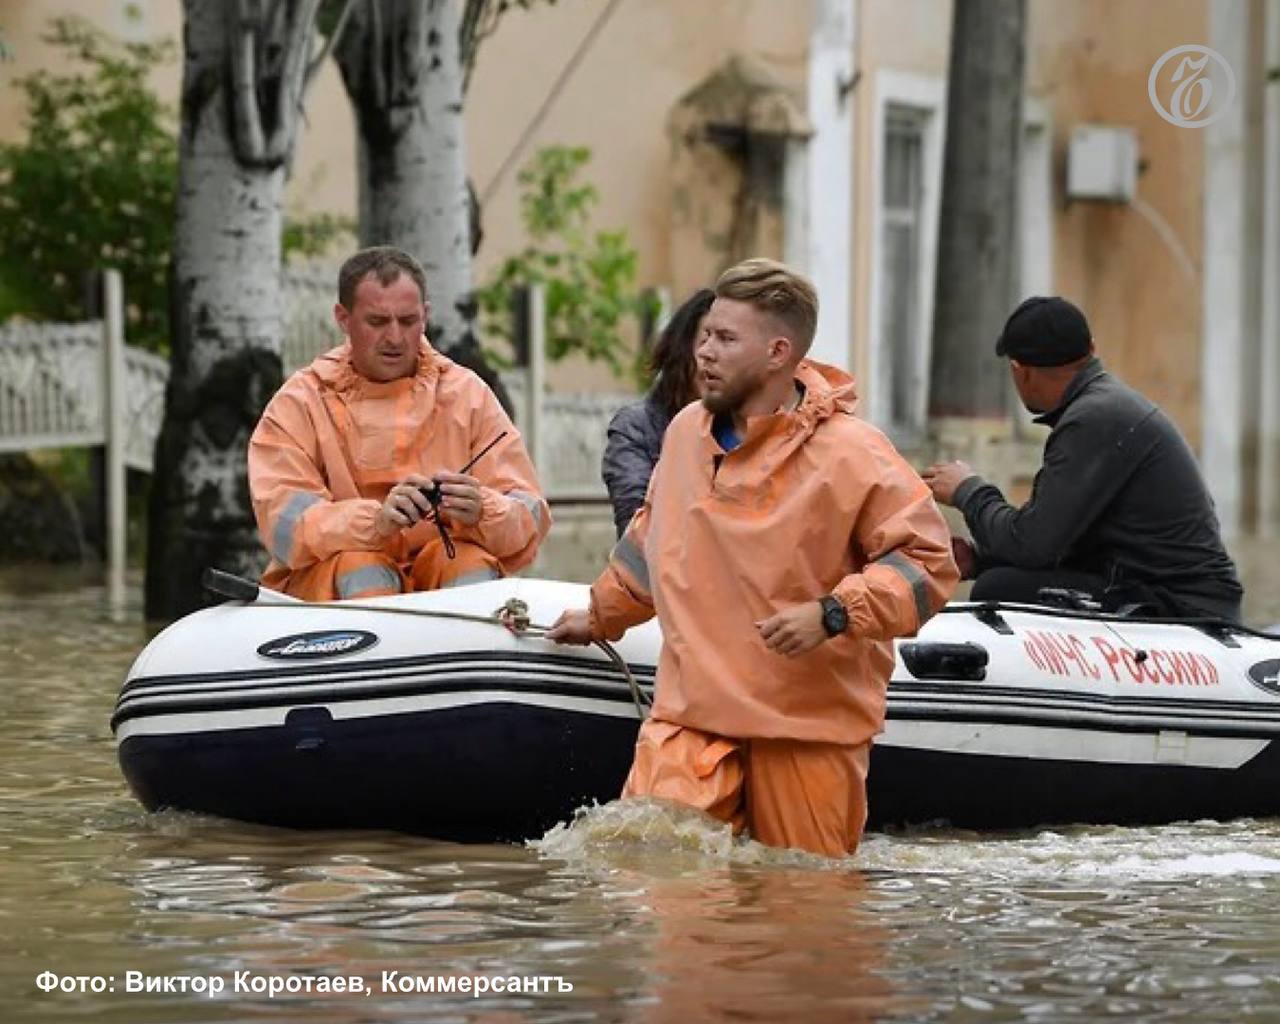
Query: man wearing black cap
x=1118 y=509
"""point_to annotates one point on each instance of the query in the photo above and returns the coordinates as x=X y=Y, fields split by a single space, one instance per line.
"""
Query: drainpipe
x=1230 y=363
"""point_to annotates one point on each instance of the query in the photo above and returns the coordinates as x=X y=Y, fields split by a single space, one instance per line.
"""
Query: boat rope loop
x=512 y=616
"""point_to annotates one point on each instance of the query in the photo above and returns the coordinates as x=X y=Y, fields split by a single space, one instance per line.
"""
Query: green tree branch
x=589 y=276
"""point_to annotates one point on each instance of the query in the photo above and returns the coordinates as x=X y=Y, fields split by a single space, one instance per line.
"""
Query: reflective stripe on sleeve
x=914 y=576
x=287 y=524
x=531 y=502
x=631 y=558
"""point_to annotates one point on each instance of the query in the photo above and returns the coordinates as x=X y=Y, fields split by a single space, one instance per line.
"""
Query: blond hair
x=776 y=289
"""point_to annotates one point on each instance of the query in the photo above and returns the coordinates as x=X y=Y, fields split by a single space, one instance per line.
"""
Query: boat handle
x=933 y=660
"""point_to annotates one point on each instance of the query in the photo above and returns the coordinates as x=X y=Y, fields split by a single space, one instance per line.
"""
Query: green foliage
x=589 y=278
x=311 y=235
x=94 y=185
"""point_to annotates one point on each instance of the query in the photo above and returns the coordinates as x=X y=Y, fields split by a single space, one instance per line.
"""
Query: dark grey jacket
x=1119 y=495
x=635 y=442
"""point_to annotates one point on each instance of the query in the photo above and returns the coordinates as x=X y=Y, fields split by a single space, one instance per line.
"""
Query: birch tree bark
x=401 y=62
x=977 y=230
x=245 y=67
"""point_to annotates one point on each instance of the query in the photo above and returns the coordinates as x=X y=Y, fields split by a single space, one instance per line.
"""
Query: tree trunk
x=243 y=77
x=977 y=231
x=400 y=60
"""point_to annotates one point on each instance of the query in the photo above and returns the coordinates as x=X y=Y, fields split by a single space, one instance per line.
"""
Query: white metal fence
x=53 y=390
x=71 y=385
x=52 y=393
x=309 y=292
x=573 y=426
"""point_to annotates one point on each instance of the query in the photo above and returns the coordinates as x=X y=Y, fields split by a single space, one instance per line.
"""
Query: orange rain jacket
x=813 y=502
x=332 y=443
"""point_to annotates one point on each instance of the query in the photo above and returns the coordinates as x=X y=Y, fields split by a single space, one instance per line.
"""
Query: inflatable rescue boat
x=423 y=713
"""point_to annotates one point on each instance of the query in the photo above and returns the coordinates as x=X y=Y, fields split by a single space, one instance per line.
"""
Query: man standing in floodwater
x=783 y=544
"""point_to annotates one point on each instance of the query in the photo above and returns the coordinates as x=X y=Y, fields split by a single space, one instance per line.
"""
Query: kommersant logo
x=1191 y=86
x=329 y=644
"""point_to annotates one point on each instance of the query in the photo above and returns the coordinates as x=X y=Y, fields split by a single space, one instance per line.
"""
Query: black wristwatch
x=835 y=620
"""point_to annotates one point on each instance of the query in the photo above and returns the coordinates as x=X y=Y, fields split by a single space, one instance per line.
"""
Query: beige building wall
x=1135 y=269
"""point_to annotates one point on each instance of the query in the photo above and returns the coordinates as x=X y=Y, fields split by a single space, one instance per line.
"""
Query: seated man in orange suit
x=345 y=453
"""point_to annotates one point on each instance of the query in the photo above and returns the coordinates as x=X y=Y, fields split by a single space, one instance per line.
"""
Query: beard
x=719 y=405
x=730 y=397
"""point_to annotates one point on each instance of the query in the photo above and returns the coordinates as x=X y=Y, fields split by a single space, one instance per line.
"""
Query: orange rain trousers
x=787 y=793
x=353 y=574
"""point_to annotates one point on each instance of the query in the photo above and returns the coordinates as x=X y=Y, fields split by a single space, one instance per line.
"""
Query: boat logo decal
x=332 y=643
x=1266 y=676
x=1068 y=655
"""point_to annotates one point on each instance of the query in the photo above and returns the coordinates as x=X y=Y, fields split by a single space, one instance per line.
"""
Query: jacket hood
x=335 y=370
x=827 y=390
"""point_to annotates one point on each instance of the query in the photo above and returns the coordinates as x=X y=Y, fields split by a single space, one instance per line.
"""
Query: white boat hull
x=364 y=716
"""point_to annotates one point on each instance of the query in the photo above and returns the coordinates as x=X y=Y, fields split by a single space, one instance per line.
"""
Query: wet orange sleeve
x=299 y=520
x=909 y=572
x=514 y=516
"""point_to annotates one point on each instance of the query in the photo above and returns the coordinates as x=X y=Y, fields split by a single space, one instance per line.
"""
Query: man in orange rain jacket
x=339 y=460
x=783 y=544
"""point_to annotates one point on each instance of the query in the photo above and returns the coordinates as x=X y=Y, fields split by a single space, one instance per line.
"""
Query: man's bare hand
x=461 y=500
x=405 y=505
x=794 y=630
x=944 y=478
x=573 y=627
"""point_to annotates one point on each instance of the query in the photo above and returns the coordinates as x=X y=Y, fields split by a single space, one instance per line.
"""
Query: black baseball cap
x=1045 y=331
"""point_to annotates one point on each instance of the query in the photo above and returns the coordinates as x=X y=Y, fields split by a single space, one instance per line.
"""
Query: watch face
x=834 y=618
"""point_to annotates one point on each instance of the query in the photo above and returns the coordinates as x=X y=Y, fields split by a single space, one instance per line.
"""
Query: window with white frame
x=902 y=335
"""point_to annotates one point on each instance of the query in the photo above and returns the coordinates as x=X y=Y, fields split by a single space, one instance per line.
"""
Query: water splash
x=666 y=833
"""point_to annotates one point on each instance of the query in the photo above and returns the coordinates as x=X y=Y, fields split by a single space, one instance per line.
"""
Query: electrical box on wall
x=1102 y=163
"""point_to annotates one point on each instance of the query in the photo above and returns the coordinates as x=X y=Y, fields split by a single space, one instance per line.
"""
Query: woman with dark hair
x=635 y=432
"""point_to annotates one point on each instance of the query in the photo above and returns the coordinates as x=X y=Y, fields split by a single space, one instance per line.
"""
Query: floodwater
x=630 y=913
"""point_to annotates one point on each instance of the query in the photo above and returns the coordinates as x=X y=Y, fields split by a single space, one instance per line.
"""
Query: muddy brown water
x=646 y=914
